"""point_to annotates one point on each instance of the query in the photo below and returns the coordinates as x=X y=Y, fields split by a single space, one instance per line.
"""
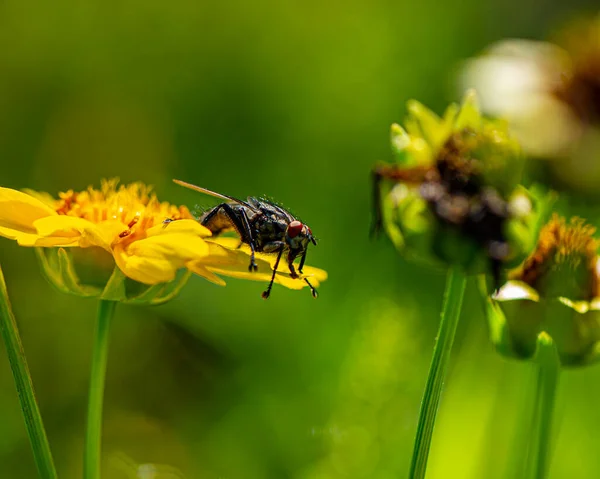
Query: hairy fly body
x=264 y=226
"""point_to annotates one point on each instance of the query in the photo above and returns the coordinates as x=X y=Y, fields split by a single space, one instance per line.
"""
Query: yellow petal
x=104 y=234
x=32 y=239
x=61 y=226
x=191 y=227
x=311 y=272
x=263 y=275
x=142 y=269
x=79 y=231
x=44 y=197
x=226 y=259
x=225 y=253
x=258 y=276
x=18 y=211
x=197 y=268
x=156 y=259
x=227 y=242
x=244 y=251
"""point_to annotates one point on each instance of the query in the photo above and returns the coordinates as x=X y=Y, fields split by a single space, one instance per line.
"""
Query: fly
x=264 y=226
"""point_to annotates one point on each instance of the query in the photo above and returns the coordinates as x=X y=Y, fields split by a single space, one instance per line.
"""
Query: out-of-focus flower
x=455 y=192
x=550 y=92
x=114 y=243
x=556 y=291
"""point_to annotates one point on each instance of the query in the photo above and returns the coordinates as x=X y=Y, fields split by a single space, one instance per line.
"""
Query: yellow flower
x=115 y=243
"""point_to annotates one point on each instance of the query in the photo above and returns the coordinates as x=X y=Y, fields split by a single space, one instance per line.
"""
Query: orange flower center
x=134 y=205
x=566 y=252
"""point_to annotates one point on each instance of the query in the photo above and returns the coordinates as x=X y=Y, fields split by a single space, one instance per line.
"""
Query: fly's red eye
x=294 y=229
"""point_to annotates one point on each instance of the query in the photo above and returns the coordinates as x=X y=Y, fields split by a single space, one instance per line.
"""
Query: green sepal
x=115 y=287
x=469 y=116
x=163 y=292
x=516 y=322
x=70 y=278
x=72 y=271
x=59 y=271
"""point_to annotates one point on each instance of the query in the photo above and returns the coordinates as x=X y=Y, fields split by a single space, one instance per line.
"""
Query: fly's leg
x=214 y=221
x=273 y=247
x=239 y=220
x=290 y=261
x=267 y=292
x=279 y=246
x=313 y=291
x=253 y=266
x=302 y=260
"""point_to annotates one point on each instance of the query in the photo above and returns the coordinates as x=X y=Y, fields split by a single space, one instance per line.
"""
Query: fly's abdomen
x=217 y=221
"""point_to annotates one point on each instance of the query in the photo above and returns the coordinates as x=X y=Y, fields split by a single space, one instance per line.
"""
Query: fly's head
x=297 y=237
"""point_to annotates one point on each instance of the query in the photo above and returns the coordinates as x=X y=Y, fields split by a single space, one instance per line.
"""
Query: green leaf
x=18 y=363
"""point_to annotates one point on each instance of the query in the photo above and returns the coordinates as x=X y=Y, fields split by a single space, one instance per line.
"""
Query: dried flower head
x=554 y=291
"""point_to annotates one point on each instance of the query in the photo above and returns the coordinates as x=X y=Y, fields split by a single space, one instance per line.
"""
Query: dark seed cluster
x=457 y=195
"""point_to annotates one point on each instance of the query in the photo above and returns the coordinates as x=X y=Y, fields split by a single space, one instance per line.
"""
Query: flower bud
x=451 y=188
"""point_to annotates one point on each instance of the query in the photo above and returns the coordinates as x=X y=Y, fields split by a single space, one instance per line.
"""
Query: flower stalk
x=548 y=369
x=93 y=437
x=18 y=364
x=453 y=297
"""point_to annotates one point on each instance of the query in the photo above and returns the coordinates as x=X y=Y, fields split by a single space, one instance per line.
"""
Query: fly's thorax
x=267 y=230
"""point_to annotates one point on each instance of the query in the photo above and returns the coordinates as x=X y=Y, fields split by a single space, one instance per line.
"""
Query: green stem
x=91 y=459
x=453 y=296
x=548 y=369
x=519 y=453
x=20 y=370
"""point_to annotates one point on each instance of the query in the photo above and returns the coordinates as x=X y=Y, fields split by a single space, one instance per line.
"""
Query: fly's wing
x=213 y=193
x=271 y=209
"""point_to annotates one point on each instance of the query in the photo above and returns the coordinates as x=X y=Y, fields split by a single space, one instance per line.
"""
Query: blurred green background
x=294 y=100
